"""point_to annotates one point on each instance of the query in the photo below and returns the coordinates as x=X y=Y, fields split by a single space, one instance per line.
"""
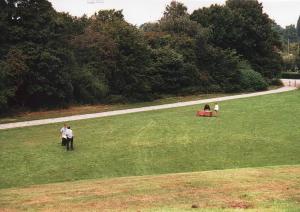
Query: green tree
x=298 y=28
x=242 y=25
x=128 y=76
x=176 y=34
x=4 y=28
x=50 y=59
x=167 y=70
x=35 y=42
x=222 y=69
x=250 y=79
x=47 y=81
x=218 y=19
x=290 y=33
x=280 y=31
x=96 y=54
x=7 y=89
x=175 y=10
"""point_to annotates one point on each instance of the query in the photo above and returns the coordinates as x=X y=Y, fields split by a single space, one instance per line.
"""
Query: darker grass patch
x=240 y=205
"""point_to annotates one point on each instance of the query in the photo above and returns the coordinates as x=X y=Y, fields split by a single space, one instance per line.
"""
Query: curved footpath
x=135 y=110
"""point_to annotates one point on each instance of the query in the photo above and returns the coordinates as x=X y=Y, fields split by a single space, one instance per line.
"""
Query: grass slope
x=259 y=189
x=254 y=132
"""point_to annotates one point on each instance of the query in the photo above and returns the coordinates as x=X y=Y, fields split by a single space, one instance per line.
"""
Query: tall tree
x=95 y=53
x=298 y=28
x=53 y=59
x=175 y=10
x=290 y=33
x=178 y=37
x=128 y=77
x=242 y=25
x=34 y=41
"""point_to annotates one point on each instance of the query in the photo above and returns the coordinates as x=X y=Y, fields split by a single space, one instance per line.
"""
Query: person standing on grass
x=70 y=138
x=63 y=133
x=216 y=108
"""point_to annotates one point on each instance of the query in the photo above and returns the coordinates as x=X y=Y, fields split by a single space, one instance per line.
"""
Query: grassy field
x=254 y=132
x=260 y=189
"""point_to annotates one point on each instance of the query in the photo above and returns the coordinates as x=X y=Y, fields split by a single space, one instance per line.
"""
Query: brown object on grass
x=195 y=206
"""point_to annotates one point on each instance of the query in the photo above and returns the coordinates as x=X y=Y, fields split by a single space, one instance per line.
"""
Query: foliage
x=51 y=59
x=242 y=25
x=287 y=34
x=223 y=69
x=167 y=71
x=291 y=33
x=280 y=31
x=290 y=75
x=126 y=68
x=297 y=62
x=7 y=90
x=298 y=27
x=250 y=79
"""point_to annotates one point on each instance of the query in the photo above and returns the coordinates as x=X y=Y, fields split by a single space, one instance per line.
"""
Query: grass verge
x=255 y=189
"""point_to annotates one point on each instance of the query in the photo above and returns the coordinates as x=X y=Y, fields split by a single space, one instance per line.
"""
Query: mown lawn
x=256 y=189
x=254 y=132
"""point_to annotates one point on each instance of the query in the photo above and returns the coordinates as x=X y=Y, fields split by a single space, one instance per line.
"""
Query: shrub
x=276 y=82
x=250 y=79
x=89 y=87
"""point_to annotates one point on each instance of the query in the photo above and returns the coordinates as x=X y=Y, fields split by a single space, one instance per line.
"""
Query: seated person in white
x=216 y=108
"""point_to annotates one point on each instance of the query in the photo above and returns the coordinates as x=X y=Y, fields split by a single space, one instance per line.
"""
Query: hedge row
x=290 y=75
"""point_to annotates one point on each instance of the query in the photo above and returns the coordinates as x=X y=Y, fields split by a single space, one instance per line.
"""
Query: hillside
x=267 y=189
x=252 y=132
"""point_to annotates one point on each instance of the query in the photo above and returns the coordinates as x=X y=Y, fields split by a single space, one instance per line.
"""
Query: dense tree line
x=290 y=33
x=298 y=28
x=51 y=59
x=290 y=38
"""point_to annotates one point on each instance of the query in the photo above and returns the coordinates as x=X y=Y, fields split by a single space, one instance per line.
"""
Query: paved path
x=291 y=82
x=135 y=110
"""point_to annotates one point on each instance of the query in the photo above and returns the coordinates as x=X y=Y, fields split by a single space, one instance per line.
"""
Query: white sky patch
x=284 y=12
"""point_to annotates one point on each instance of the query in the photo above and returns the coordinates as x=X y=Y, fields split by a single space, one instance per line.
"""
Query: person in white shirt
x=70 y=138
x=216 y=109
x=63 y=134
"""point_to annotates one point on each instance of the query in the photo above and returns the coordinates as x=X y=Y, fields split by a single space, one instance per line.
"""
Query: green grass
x=254 y=132
x=255 y=189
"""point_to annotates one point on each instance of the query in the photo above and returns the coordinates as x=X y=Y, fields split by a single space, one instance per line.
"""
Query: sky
x=137 y=12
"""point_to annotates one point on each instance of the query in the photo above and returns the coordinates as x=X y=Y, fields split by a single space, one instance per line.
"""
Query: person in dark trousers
x=63 y=134
x=70 y=138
